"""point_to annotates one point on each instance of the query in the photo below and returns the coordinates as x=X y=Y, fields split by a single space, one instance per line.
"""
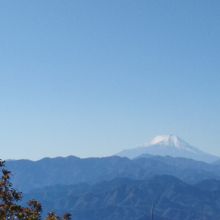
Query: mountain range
x=28 y=175
x=167 y=179
x=158 y=198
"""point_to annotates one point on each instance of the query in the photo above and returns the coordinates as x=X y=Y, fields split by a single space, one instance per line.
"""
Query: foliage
x=10 y=209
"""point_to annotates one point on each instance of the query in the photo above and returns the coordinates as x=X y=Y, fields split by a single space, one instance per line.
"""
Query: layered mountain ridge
x=28 y=175
x=166 y=178
x=127 y=199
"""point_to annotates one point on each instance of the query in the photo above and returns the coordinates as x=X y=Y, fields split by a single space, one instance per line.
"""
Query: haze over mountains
x=165 y=155
x=169 y=145
x=181 y=180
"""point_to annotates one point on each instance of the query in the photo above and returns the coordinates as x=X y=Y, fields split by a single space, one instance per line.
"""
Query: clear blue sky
x=90 y=78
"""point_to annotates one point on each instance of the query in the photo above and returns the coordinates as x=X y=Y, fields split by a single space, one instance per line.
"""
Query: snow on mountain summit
x=167 y=140
x=171 y=141
x=168 y=145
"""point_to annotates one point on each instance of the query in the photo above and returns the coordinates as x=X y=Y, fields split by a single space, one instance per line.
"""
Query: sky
x=90 y=78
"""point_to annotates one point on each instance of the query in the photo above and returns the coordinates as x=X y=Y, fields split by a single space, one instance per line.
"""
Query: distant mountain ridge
x=169 y=145
x=28 y=175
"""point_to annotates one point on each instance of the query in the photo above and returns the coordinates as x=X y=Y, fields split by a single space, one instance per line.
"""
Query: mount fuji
x=169 y=145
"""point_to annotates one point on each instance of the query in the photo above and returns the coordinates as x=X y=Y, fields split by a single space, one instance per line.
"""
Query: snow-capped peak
x=168 y=145
x=170 y=140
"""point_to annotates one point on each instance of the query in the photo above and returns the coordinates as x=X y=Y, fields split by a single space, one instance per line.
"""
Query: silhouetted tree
x=10 y=209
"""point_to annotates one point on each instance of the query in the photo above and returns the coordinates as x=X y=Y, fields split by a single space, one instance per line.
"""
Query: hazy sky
x=90 y=78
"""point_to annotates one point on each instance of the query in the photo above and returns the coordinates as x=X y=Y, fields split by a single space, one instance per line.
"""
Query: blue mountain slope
x=128 y=199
